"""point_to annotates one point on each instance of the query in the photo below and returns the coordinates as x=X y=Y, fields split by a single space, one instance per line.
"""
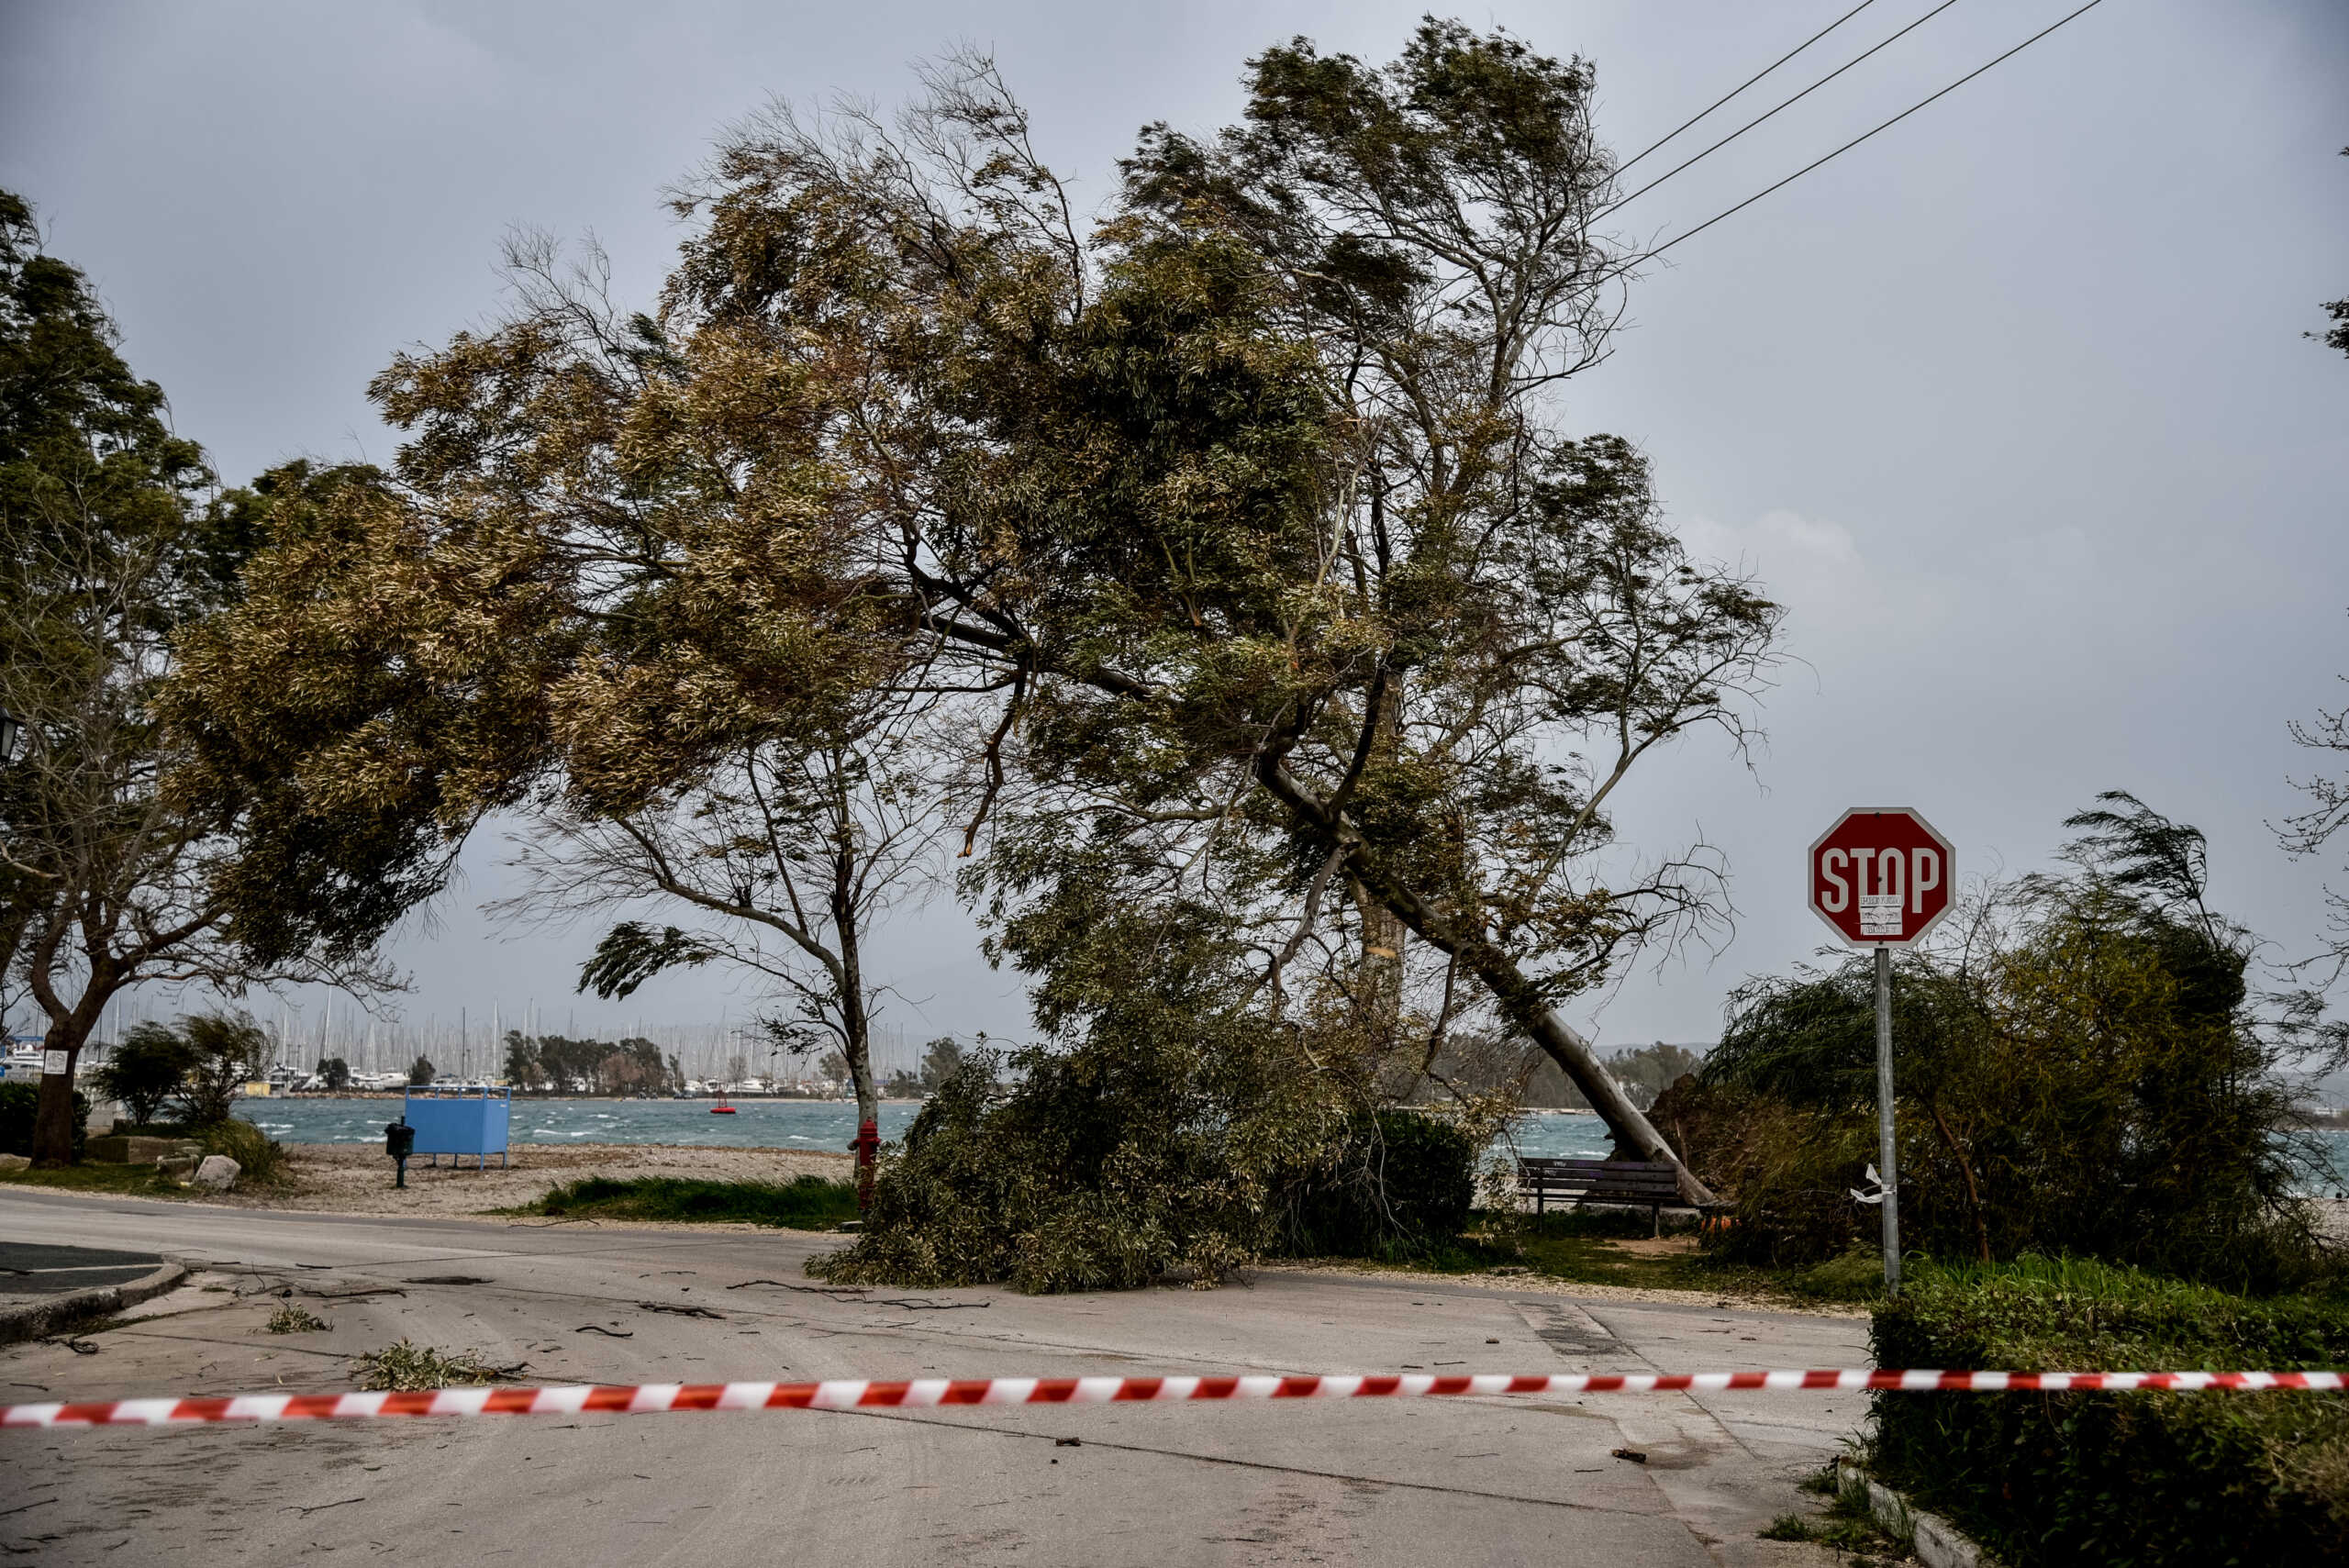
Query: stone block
x=124 y=1150
x=218 y=1173
x=13 y=1162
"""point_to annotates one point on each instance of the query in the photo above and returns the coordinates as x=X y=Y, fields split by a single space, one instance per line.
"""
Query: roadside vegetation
x=807 y=1203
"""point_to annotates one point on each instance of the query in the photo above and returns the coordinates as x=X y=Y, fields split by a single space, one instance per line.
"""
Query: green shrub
x=144 y=1070
x=258 y=1157
x=1404 y=1182
x=1161 y=1145
x=2151 y=1480
x=2083 y=1068
x=21 y=1103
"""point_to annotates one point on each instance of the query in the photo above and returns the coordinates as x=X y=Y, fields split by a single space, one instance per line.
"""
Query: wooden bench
x=1637 y=1182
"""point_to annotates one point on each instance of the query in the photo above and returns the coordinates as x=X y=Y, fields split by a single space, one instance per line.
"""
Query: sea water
x=829 y=1123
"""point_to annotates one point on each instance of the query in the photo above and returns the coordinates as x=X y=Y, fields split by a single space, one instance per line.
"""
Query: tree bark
x=53 y=1114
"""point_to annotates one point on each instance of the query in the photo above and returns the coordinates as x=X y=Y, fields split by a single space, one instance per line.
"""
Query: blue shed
x=459 y=1120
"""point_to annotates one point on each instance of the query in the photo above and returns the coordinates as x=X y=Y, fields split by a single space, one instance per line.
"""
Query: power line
x=1788 y=104
x=1864 y=136
x=1742 y=86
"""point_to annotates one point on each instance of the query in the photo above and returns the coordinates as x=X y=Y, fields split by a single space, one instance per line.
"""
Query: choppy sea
x=829 y=1123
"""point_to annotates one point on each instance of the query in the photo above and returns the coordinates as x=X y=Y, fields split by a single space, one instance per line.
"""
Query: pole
x=1886 y=1160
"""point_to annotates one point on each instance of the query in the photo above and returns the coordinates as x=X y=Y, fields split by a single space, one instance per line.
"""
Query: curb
x=1937 y=1542
x=34 y=1318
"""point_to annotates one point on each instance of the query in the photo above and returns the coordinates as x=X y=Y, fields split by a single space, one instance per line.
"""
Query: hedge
x=2131 y=1480
x=18 y=1103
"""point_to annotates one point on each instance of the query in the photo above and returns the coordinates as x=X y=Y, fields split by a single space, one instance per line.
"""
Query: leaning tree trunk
x=1518 y=998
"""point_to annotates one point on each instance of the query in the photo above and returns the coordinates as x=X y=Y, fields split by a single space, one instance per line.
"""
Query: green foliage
x=420 y=1071
x=144 y=1070
x=1403 y=1181
x=404 y=1368
x=589 y=1066
x=292 y=1319
x=807 y=1202
x=260 y=1157
x=2152 y=1480
x=632 y=953
x=334 y=1074
x=2086 y=1073
x=223 y=1052
x=18 y=1102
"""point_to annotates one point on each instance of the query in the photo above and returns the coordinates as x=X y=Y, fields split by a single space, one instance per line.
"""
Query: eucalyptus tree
x=1254 y=499
x=1246 y=513
x=115 y=541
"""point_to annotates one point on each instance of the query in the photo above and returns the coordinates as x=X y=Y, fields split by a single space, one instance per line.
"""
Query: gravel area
x=356 y=1178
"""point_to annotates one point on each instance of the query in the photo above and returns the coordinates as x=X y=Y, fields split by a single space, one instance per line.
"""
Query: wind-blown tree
x=783 y=859
x=114 y=542
x=1244 y=512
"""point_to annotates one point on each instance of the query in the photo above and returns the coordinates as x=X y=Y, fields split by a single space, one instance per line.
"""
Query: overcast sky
x=2010 y=405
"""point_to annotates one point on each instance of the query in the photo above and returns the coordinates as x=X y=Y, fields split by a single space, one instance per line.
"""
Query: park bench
x=1636 y=1183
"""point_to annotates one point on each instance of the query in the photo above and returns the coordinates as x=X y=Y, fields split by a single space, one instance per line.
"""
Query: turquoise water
x=829 y=1123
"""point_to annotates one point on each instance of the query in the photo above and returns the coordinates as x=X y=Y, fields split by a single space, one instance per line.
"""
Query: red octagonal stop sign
x=1880 y=877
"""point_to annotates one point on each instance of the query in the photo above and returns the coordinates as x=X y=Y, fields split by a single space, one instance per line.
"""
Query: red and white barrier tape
x=654 y=1397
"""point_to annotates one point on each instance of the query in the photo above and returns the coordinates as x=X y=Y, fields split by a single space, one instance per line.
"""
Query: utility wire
x=1788 y=104
x=1742 y=86
x=1864 y=136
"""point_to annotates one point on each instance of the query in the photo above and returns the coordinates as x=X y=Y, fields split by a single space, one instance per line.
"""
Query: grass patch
x=292 y=1320
x=1618 y=1247
x=404 y=1368
x=1846 y=1526
x=137 y=1180
x=810 y=1202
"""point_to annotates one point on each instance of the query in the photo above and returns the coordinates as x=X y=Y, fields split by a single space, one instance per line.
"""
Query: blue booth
x=459 y=1119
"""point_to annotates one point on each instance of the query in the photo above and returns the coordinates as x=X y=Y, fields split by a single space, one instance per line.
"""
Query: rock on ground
x=218 y=1174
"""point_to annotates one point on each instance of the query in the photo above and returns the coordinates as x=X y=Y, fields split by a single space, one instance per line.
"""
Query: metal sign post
x=1887 y=1155
x=1881 y=878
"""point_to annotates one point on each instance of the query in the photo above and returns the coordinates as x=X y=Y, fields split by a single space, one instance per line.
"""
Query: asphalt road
x=1461 y=1483
x=30 y=1269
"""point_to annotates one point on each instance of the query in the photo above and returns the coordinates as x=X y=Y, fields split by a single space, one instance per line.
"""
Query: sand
x=356 y=1178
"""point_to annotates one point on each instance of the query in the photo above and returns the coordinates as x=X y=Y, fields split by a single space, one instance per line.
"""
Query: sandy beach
x=356 y=1178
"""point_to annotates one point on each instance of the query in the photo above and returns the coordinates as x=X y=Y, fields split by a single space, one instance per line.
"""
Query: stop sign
x=1880 y=877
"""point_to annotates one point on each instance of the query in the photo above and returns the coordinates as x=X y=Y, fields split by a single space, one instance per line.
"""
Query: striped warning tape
x=654 y=1397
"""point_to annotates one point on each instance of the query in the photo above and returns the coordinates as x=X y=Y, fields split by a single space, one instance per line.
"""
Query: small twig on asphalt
x=543 y=1224
x=680 y=1311
x=318 y=1507
x=350 y=1294
x=608 y=1333
x=836 y=1291
x=79 y=1347
x=859 y=1293
x=36 y=1503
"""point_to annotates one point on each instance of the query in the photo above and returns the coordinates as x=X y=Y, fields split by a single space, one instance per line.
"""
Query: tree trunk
x=53 y=1117
x=1520 y=1000
x=856 y=1041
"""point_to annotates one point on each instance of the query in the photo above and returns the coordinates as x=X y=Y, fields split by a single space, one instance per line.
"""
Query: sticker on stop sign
x=1880 y=877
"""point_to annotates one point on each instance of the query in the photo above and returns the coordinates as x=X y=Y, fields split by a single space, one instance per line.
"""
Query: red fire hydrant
x=867 y=1144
